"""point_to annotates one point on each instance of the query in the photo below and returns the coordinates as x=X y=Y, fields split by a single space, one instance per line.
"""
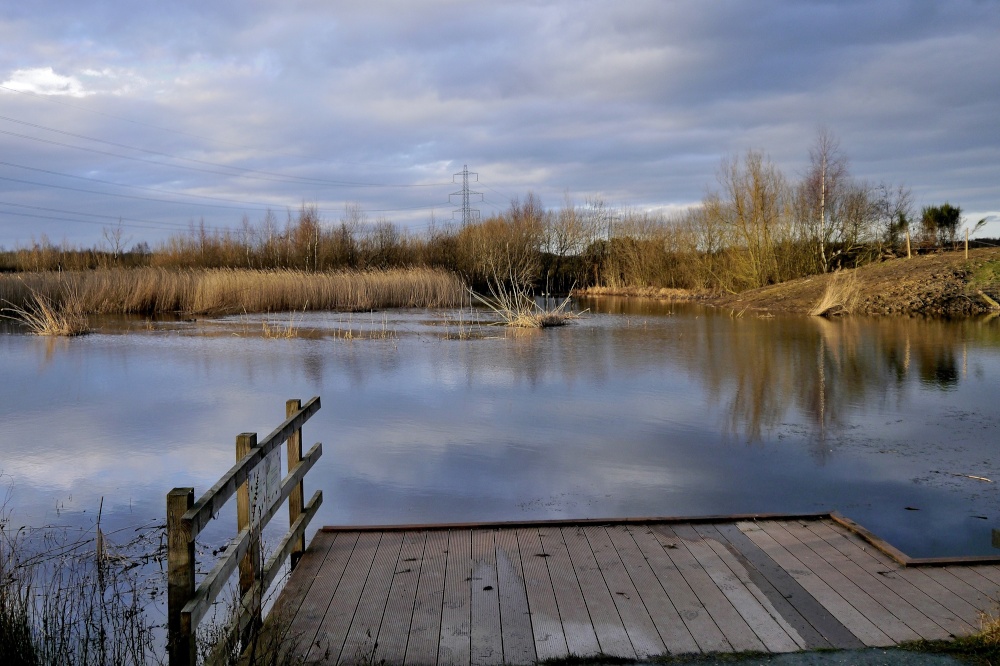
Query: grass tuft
x=840 y=298
x=45 y=316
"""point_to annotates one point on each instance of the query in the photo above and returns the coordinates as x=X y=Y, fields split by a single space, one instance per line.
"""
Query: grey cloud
x=636 y=102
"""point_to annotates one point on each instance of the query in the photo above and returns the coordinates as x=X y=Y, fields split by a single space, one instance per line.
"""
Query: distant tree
x=821 y=193
x=940 y=223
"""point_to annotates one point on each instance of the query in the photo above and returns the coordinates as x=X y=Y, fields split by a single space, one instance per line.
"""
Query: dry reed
x=228 y=291
x=840 y=297
x=48 y=316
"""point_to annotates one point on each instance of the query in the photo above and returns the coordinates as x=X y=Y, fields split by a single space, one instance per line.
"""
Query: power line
x=240 y=171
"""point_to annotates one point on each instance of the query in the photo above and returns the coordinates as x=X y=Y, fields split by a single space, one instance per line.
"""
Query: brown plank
x=515 y=617
x=991 y=573
x=733 y=626
x=360 y=641
x=577 y=627
x=888 y=573
x=487 y=645
x=964 y=583
x=394 y=631
x=917 y=576
x=874 y=586
x=425 y=627
x=667 y=621
x=699 y=622
x=642 y=633
x=287 y=605
x=455 y=647
x=326 y=580
x=546 y=626
x=804 y=545
x=848 y=615
x=344 y=601
x=817 y=626
x=730 y=578
x=608 y=625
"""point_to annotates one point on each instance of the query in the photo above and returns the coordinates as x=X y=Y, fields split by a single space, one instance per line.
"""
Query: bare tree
x=821 y=191
x=752 y=205
x=116 y=240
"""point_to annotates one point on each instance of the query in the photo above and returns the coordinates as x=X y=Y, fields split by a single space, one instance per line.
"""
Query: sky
x=150 y=117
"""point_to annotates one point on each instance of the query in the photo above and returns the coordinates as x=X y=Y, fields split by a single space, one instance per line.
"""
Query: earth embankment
x=939 y=284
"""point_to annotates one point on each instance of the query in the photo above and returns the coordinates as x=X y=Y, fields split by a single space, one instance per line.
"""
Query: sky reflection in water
x=638 y=409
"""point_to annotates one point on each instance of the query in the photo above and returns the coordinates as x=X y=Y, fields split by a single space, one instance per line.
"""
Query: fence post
x=180 y=577
x=297 y=498
x=250 y=564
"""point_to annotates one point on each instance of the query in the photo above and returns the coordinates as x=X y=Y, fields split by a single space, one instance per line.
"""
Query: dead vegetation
x=229 y=291
x=61 y=315
x=840 y=296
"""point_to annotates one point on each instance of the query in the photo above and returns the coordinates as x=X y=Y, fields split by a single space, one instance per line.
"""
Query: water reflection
x=641 y=408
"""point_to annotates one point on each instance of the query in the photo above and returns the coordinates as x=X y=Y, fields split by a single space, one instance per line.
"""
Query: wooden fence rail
x=257 y=501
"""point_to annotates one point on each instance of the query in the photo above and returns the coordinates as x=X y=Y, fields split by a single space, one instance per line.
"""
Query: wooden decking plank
x=918 y=576
x=966 y=584
x=455 y=647
x=394 y=632
x=487 y=644
x=667 y=621
x=733 y=625
x=425 y=627
x=697 y=619
x=326 y=580
x=845 y=613
x=925 y=579
x=803 y=544
x=608 y=625
x=762 y=620
x=515 y=616
x=639 y=625
x=813 y=622
x=873 y=586
x=990 y=572
x=581 y=638
x=360 y=642
x=296 y=587
x=546 y=627
x=887 y=573
x=338 y=618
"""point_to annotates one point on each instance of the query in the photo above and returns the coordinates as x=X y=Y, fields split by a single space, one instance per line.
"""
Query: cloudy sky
x=161 y=114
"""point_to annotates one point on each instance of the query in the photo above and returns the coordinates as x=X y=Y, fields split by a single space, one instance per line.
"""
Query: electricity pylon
x=469 y=214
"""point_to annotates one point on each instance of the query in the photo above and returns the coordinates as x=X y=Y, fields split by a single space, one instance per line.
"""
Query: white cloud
x=45 y=81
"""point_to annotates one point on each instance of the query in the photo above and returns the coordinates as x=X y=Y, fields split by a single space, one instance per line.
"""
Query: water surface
x=638 y=408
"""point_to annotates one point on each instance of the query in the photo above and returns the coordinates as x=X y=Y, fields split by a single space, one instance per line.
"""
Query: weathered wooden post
x=296 y=499
x=180 y=578
x=250 y=564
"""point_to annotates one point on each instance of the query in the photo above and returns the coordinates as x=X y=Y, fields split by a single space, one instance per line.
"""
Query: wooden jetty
x=521 y=593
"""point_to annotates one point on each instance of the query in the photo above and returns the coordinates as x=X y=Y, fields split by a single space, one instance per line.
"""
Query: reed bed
x=229 y=291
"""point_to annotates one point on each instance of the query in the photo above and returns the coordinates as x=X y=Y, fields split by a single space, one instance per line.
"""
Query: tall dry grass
x=840 y=297
x=227 y=291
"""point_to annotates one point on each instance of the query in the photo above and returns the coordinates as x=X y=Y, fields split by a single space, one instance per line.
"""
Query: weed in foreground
x=44 y=316
x=980 y=648
x=73 y=600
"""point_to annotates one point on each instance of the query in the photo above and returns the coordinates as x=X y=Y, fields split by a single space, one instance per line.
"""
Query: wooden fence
x=258 y=499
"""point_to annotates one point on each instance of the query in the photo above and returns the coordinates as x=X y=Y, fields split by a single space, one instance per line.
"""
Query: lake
x=638 y=408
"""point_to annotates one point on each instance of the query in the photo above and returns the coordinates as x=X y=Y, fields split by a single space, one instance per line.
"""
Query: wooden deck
x=518 y=594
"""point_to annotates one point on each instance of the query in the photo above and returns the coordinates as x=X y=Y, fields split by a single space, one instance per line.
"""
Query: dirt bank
x=941 y=284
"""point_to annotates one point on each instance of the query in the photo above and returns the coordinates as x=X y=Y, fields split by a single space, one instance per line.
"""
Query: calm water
x=637 y=409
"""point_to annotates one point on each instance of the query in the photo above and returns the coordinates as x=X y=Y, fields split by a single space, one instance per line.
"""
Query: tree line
x=755 y=228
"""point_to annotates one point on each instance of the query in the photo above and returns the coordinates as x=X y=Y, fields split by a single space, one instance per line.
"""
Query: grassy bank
x=226 y=291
